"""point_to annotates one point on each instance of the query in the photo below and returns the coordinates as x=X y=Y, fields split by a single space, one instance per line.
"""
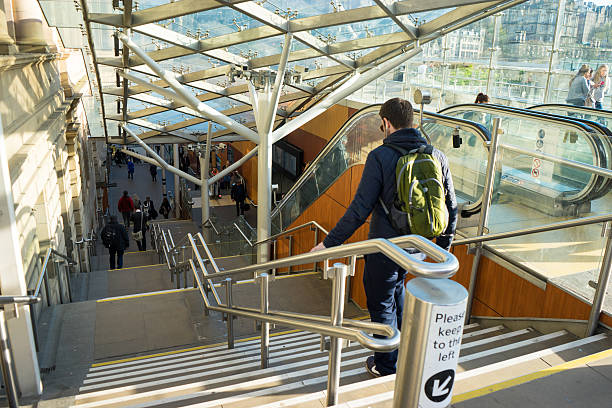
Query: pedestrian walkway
x=141 y=185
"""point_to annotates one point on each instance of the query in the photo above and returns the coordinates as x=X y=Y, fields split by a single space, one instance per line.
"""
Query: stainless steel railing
x=87 y=242
x=6 y=359
x=43 y=279
x=335 y=326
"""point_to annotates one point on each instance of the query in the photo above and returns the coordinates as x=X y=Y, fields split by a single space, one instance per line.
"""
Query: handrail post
x=340 y=272
x=602 y=282
x=273 y=256
x=290 y=253
x=316 y=242
x=69 y=286
x=430 y=342
x=47 y=294
x=230 y=317
x=78 y=245
x=264 y=280
x=484 y=213
x=8 y=375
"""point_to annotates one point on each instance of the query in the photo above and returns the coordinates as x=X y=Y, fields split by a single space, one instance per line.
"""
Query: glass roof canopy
x=200 y=41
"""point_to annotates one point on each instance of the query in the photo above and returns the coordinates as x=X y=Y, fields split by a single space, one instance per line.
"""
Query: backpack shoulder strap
x=427 y=149
x=397 y=148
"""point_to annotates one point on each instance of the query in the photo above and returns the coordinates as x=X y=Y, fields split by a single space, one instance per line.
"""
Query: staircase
x=181 y=358
x=216 y=377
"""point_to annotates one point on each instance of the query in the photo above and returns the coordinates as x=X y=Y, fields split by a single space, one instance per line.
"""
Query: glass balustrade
x=361 y=134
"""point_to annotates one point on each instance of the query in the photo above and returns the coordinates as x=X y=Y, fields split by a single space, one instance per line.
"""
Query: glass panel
x=361 y=135
x=562 y=185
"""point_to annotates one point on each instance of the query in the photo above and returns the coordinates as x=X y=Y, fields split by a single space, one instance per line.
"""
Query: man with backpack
x=116 y=239
x=407 y=187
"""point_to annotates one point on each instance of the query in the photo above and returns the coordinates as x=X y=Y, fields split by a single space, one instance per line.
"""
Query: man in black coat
x=116 y=239
x=238 y=194
x=139 y=219
x=383 y=279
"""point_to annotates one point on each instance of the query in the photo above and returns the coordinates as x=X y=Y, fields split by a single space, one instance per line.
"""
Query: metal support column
x=484 y=212
x=264 y=107
x=340 y=272
x=8 y=374
x=177 y=199
x=493 y=53
x=554 y=50
x=602 y=282
x=12 y=280
x=204 y=170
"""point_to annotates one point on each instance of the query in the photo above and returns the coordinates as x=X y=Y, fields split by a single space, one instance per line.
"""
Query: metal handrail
x=209 y=221
x=8 y=375
x=595 y=219
x=306 y=322
x=244 y=235
x=445 y=267
x=273 y=237
x=50 y=251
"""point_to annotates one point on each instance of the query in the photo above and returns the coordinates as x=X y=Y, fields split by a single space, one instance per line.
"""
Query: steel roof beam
x=455 y=16
x=403 y=22
x=184 y=94
x=160 y=13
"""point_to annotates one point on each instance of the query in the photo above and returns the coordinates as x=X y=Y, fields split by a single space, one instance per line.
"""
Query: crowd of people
x=135 y=214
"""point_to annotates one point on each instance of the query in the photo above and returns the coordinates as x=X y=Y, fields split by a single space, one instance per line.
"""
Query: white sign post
x=434 y=312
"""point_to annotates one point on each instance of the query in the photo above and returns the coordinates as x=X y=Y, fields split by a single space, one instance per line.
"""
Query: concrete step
x=168 y=379
x=378 y=392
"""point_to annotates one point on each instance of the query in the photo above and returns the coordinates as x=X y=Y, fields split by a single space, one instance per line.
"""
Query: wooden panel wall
x=249 y=169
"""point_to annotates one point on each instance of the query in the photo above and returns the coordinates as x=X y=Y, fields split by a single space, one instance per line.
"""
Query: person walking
x=149 y=209
x=238 y=194
x=579 y=87
x=383 y=279
x=115 y=238
x=130 y=166
x=165 y=208
x=153 y=172
x=139 y=233
x=126 y=207
x=601 y=85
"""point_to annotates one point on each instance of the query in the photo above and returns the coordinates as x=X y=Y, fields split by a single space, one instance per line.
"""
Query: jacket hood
x=408 y=138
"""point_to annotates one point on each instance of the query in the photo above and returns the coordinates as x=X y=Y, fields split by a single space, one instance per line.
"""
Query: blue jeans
x=119 y=252
x=383 y=280
x=598 y=105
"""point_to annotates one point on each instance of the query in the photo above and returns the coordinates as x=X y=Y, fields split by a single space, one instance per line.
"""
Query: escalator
x=559 y=189
x=361 y=134
x=599 y=119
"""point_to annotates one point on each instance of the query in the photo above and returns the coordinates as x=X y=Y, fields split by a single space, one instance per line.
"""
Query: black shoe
x=371 y=367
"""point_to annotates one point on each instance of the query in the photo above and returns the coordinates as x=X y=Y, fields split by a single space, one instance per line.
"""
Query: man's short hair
x=398 y=112
x=113 y=219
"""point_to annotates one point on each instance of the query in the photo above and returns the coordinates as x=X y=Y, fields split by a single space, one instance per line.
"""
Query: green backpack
x=419 y=205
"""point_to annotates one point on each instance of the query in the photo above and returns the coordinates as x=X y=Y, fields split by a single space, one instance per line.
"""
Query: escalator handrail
x=523 y=112
x=596 y=144
x=574 y=107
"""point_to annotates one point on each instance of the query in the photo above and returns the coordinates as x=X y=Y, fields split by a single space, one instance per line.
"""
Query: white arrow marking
x=439 y=390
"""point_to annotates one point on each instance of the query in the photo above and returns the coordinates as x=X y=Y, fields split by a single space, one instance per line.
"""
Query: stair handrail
x=44 y=277
x=290 y=230
x=335 y=326
x=6 y=359
x=445 y=267
x=209 y=221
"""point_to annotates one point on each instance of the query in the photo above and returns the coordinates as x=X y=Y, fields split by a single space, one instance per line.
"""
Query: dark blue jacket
x=378 y=180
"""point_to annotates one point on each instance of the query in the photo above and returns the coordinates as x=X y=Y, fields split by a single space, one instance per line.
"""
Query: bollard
x=434 y=314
